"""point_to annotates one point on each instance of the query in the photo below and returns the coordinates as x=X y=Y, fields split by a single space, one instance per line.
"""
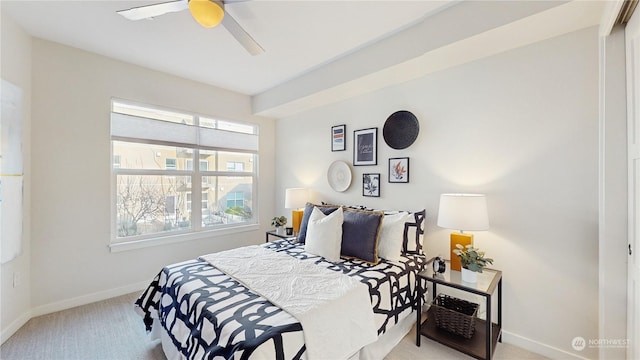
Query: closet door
x=632 y=34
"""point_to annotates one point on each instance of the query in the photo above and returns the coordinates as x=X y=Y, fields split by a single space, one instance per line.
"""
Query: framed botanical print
x=371 y=185
x=399 y=170
x=338 y=138
x=365 y=147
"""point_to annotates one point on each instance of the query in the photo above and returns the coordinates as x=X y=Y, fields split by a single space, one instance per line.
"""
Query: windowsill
x=172 y=239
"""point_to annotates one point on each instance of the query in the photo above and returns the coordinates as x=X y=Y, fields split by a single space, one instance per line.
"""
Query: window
x=205 y=201
x=235 y=166
x=204 y=165
x=156 y=184
x=235 y=199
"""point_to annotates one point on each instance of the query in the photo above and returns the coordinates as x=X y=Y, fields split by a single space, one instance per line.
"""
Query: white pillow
x=324 y=234
x=391 y=235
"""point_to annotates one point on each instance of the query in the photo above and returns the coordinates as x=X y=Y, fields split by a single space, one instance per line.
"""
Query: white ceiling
x=317 y=51
x=297 y=35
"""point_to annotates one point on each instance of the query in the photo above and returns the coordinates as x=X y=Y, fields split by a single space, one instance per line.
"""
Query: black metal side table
x=487 y=333
x=281 y=236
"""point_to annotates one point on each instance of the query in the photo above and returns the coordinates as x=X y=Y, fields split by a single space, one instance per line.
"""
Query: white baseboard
x=538 y=347
x=8 y=331
x=87 y=299
x=14 y=326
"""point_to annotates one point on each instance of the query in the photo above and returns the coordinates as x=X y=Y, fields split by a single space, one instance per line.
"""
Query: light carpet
x=110 y=329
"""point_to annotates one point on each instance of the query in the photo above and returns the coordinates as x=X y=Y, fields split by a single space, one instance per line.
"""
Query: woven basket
x=455 y=315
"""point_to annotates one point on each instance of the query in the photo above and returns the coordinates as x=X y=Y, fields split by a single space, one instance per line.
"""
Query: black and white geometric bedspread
x=209 y=315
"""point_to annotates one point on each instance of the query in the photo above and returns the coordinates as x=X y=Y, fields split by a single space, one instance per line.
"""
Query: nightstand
x=487 y=334
x=289 y=238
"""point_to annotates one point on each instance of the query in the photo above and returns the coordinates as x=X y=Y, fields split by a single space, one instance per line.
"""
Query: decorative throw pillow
x=326 y=209
x=413 y=231
x=392 y=236
x=324 y=234
x=360 y=234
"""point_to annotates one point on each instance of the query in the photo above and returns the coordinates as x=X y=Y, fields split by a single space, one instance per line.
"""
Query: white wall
x=522 y=127
x=72 y=90
x=16 y=68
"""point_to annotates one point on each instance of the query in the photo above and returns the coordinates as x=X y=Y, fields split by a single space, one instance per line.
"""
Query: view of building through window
x=157 y=186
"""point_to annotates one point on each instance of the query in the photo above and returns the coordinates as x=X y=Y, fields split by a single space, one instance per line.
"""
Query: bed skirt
x=374 y=351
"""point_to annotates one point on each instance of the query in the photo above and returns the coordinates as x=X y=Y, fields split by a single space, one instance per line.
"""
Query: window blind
x=135 y=128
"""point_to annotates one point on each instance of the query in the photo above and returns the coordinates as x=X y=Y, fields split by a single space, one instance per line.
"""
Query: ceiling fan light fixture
x=207 y=13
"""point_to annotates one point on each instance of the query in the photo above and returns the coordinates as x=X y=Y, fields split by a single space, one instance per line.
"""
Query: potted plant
x=279 y=222
x=472 y=260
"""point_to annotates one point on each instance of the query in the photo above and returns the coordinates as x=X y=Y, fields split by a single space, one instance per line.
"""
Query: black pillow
x=360 y=234
x=326 y=209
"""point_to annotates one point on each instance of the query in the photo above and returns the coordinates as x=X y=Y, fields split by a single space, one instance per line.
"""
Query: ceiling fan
x=208 y=13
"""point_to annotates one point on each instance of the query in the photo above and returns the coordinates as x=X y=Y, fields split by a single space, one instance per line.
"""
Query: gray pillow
x=326 y=209
x=360 y=234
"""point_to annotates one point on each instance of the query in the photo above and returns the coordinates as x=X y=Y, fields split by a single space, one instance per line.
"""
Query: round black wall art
x=401 y=129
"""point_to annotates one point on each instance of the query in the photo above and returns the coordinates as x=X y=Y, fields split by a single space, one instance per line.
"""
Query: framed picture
x=338 y=138
x=371 y=185
x=399 y=170
x=365 y=148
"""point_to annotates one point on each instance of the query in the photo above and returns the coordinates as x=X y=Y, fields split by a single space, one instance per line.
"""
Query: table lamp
x=296 y=199
x=463 y=212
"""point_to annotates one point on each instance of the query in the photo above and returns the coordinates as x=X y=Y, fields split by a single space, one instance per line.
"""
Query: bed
x=205 y=308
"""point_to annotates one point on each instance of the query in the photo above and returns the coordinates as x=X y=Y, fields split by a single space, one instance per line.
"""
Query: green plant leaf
x=474 y=267
x=472 y=258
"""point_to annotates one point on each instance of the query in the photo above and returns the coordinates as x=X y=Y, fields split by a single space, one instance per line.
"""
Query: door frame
x=632 y=46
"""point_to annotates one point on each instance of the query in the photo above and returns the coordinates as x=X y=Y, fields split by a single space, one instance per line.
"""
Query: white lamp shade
x=463 y=212
x=295 y=198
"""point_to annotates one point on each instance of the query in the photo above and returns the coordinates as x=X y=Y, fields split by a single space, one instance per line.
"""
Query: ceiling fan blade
x=241 y=35
x=151 y=11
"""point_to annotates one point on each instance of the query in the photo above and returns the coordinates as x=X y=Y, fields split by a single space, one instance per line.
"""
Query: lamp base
x=462 y=239
x=296 y=219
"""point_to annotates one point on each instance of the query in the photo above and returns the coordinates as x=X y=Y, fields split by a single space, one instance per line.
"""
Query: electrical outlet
x=17 y=279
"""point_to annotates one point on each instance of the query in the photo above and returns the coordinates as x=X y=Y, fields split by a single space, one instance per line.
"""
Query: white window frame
x=189 y=166
x=204 y=139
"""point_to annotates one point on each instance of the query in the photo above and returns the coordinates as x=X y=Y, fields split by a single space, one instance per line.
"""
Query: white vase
x=469 y=276
x=280 y=230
